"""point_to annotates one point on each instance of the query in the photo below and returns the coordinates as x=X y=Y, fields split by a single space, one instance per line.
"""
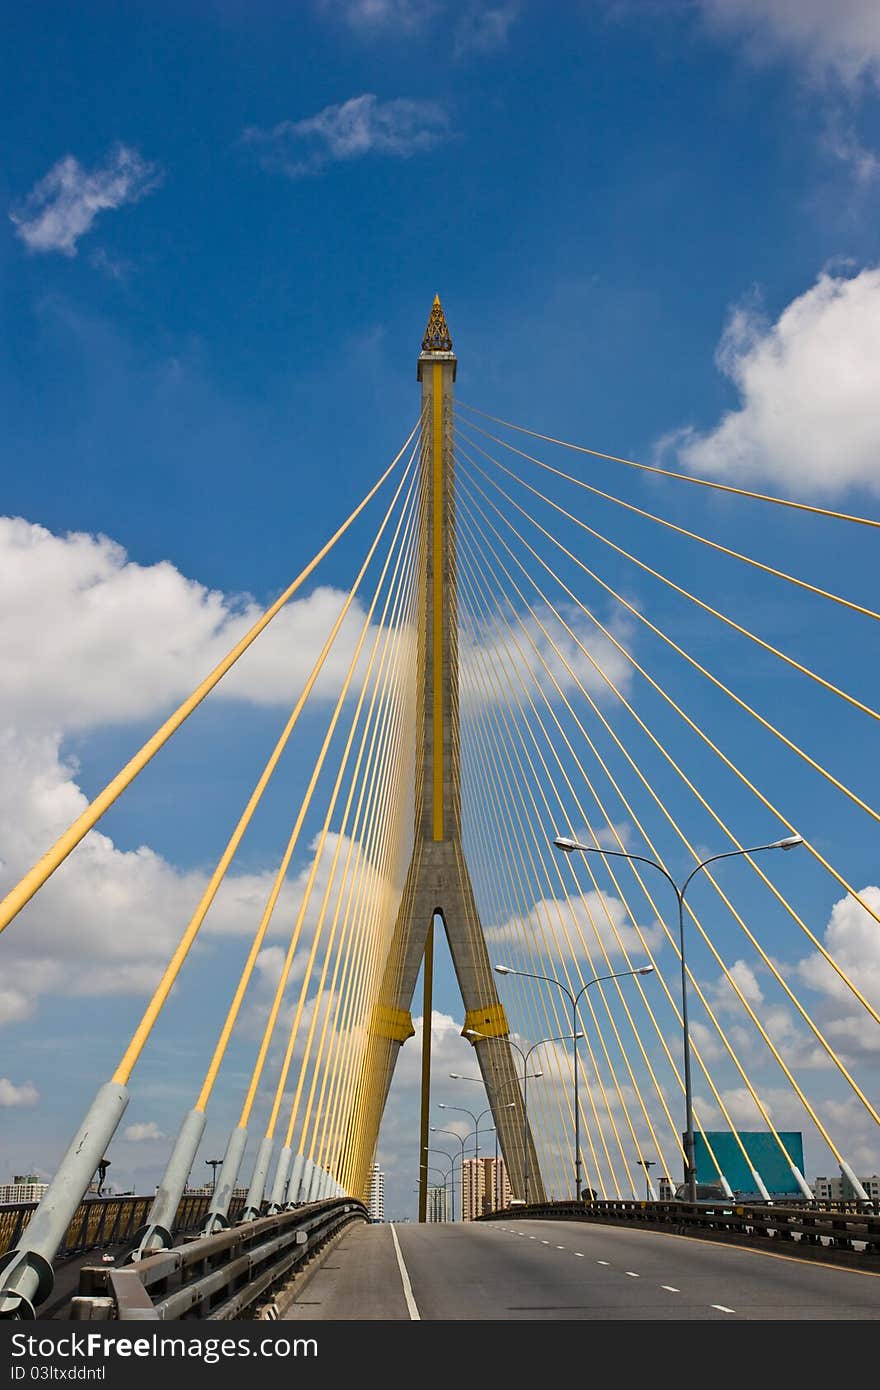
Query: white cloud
x=483 y=652
x=839 y=39
x=141 y=1133
x=484 y=29
x=361 y=126
x=25 y=1094
x=842 y=142
x=119 y=640
x=374 y=15
x=852 y=938
x=809 y=385
x=572 y=917
x=62 y=206
x=106 y=922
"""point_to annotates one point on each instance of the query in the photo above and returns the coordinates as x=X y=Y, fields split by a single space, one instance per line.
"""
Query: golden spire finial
x=437 y=336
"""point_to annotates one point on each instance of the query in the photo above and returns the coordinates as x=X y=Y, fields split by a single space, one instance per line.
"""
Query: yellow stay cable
x=394 y=590
x=673 y=526
x=281 y=873
x=175 y=964
x=367 y=1058
x=34 y=879
x=519 y=779
x=709 y=743
x=632 y=865
x=496 y=783
x=530 y=1004
x=219 y=873
x=669 y=473
x=502 y=908
x=534 y=780
x=316 y=861
x=354 y=1051
x=380 y=766
x=712 y=880
x=585 y=819
x=677 y=588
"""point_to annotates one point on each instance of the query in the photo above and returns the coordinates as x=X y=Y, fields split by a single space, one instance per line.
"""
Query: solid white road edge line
x=415 y=1315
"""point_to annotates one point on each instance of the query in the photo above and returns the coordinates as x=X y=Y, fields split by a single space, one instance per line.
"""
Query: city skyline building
x=484 y=1187
x=376 y=1202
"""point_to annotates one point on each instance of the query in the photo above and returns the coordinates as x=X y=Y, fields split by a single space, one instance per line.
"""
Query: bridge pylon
x=438 y=884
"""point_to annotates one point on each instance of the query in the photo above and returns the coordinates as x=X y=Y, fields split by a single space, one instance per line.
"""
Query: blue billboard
x=765 y=1154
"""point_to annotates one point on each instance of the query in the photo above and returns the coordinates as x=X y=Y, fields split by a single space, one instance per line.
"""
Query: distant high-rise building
x=376 y=1203
x=25 y=1187
x=438 y=1204
x=841 y=1189
x=484 y=1187
x=665 y=1189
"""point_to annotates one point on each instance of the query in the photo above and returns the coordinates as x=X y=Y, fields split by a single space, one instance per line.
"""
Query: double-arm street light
x=569 y=846
x=450 y=1159
x=565 y=1037
x=429 y=1168
x=575 y=999
x=476 y=1119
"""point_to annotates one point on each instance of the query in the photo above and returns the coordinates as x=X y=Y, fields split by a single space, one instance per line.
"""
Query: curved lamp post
x=569 y=846
x=574 y=999
x=565 y=1037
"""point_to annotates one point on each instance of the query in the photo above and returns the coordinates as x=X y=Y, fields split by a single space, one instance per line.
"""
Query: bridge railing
x=223 y=1276
x=103 y=1221
x=821 y=1231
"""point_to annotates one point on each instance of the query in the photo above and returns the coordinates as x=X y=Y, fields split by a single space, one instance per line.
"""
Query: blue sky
x=225 y=227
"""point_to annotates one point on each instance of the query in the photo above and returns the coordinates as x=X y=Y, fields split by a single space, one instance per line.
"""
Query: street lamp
x=435 y=1130
x=214 y=1164
x=450 y=1159
x=476 y=1119
x=618 y=975
x=568 y=846
x=511 y=1105
x=566 y=1037
x=430 y=1168
x=647 y=1163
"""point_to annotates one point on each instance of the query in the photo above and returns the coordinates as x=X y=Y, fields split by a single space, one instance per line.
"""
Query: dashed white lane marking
x=545 y=1242
x=603 y=1262
x=721 y=1308
x=669 y=1288
x=560 y=1247
x=533 y=1237
x=632 y=1274
x=415 y=1315
x=579 y=1255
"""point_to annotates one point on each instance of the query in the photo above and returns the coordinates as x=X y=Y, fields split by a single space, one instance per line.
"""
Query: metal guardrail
x=218 y=1277
x=102 y=1221
x=850 y=1237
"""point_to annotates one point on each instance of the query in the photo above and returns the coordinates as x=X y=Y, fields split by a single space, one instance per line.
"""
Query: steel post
x=217 y=1215
x=254 y=1203
x=157 y=1233
x=295 y=1185
x=26 y=1277
x=279 y=1182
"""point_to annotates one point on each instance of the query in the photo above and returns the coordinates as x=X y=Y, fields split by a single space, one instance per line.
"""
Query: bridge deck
x=568 y=1270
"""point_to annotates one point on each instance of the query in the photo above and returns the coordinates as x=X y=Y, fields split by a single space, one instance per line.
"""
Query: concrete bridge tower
x=438 y=884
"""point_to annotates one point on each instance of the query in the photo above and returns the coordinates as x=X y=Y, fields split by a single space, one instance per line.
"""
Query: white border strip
x=415 y=1315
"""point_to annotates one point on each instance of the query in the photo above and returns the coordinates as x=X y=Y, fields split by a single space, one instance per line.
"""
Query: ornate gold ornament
x=437 y=337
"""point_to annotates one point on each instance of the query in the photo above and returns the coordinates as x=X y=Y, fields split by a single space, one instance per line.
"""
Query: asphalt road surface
x=567 y=1270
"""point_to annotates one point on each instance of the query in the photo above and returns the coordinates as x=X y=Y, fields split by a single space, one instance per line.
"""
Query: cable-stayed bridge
x=621 y=800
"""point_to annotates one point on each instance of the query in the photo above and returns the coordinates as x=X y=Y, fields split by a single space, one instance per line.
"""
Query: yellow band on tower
x=395 y=1024
x=490 y=1020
